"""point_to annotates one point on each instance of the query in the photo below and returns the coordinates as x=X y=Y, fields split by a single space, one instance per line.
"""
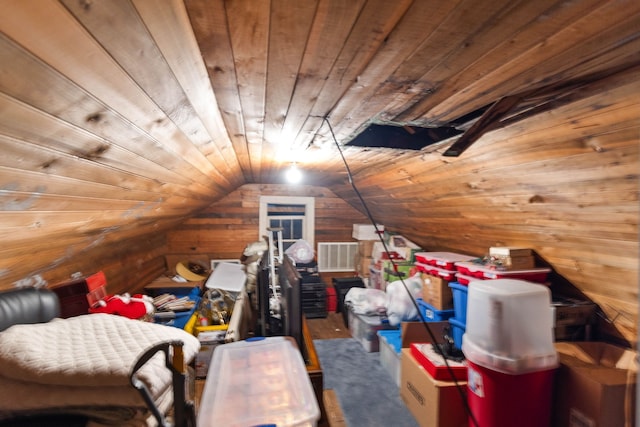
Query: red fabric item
x=133 y=307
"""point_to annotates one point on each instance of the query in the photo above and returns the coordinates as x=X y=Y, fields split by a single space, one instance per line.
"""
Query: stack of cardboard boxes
x=433 y=403
x=377 y=263
x=595 y=385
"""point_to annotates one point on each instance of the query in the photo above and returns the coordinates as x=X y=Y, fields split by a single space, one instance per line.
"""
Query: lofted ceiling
x=220 y=93
x=130 y=115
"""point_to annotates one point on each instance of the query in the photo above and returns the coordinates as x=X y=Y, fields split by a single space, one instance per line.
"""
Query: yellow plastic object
x=194 y=329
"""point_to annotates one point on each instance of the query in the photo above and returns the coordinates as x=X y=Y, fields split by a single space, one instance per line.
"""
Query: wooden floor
x=330 y=327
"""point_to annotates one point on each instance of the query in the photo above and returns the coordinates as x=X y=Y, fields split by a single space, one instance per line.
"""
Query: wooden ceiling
x=202 y=96
x=120 y=118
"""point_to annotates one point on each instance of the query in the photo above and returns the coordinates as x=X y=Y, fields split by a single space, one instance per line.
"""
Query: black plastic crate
x=342 y=286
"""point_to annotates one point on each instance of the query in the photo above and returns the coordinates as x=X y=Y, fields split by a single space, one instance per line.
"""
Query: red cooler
x=497 y=399
x=511 y=357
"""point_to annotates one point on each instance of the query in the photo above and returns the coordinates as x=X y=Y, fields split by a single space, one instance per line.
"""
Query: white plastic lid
x=228 y=276
x=258 y=382
x=509 y=325
x=446 y=256
x=504 y=363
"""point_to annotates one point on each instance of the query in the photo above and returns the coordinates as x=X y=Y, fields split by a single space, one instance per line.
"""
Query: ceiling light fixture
x=294 y=175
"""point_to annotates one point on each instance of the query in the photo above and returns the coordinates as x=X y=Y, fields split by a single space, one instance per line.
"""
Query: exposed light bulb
x=294 y=175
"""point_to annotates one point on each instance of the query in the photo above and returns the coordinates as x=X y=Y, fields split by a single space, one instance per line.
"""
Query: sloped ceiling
x=122 y=117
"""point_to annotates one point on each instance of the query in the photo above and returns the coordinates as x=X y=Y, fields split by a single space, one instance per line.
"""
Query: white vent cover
x=337 y=256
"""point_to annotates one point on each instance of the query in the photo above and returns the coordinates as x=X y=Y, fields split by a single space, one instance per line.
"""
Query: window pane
x=297 y=229
x=285 y=245
x=286 y=229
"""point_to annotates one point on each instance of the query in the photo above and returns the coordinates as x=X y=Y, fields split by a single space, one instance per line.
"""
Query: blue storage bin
x=457 y=330
x=393 y=338
x=459 y=301
x=430 y=314
x=182 y=317
x=390 y=351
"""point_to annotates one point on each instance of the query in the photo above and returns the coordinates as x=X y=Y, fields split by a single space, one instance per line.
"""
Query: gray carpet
x=367 y=394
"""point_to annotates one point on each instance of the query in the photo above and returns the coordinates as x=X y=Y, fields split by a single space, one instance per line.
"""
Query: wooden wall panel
x=128 y=264
x=224 y=229
x=564 y=183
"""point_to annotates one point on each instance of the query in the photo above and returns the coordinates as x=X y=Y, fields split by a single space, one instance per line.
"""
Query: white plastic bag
x=365 y=301
x=301 y=251
x=399 y=305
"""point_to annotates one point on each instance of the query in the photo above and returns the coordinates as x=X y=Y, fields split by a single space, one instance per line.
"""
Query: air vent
x=336 y=256
x=402 y=137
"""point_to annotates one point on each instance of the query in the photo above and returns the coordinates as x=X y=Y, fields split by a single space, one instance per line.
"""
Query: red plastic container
x=538 y=275
x=464 y=280
x=444 y=260
x=332 y=299
x=497 y=399
x=433 y=363
x=470 y=269
x=435 y=271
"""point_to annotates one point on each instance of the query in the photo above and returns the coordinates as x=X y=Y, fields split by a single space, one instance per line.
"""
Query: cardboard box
x=417 y=332
x=362 y=264
x=510 y=251
x=208 y=343
x=365 y=247
x=433 y=403
x=595 y=385
x=525 y=262
x=436 y=292
x=405 y=247
x=389 y=273
x=366 y=231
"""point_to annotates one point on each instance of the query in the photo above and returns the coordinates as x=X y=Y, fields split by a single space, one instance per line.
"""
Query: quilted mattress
x=83 y=363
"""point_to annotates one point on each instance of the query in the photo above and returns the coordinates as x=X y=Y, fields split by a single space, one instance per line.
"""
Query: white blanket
x=83 y=361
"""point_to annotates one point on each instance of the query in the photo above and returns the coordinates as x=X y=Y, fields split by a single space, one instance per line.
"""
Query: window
x=294 y=215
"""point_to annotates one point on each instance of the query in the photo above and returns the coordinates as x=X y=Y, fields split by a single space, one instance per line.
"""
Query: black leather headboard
x=27 y=305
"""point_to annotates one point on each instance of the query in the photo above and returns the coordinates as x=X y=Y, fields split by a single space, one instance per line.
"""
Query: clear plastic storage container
x=258 y=382
x=444 y=260
x=509 y=326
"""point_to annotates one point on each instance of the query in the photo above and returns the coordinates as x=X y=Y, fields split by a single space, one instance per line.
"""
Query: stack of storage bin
x=443 y=266
x=459 y=320
x=510 y=353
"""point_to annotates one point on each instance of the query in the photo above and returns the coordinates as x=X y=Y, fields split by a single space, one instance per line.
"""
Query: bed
x=85 y=366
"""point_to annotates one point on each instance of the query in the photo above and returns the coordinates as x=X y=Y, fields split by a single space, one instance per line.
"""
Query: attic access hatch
x=401 y=137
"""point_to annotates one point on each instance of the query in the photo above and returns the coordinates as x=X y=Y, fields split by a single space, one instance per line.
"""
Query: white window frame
x=309 y=227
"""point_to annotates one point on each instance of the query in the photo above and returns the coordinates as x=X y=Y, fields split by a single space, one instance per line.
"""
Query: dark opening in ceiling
x=402 y=137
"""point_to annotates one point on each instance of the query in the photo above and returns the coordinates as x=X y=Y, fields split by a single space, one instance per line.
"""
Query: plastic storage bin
x=430 y=314
x=447 y=275
x=445 y=260
x=509 y=326
x=390 y=350
x=457 y=331
x=497 y=399
x=510 y=353
x=459 y=301
x=465 y=280
x=538 y=275
x=365 y=329
x=258 y=382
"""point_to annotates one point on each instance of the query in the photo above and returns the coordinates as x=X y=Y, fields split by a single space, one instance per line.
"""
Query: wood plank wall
x=127 y=264
x=564 y=183
x=223 y=230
